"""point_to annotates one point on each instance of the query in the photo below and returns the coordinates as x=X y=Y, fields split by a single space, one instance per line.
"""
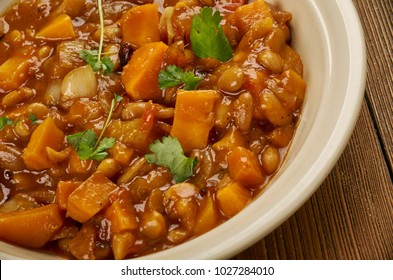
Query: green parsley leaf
x=4 y=121
x=84 y=143
x=169 y=153
x=208 y=40
x=94 y=57
x=173 y=76
x=90 y=146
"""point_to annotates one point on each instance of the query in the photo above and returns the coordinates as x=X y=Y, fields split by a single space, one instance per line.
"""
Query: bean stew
x=131 y=126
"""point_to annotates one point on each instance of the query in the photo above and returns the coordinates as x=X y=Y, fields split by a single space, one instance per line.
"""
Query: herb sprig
x=90 y=146
x=4 y=121
x=94 y=57
x=208 y=40
x=173 y=76
x=169 y=153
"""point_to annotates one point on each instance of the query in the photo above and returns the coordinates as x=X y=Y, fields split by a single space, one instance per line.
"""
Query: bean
x=270 y=159
x=271 y=61
x=231 y=79
x=131 y=171
x=22 y=129
x=281 y=136
x=243 y=111
x=273 y=110
x=38 y=109
x=137 y=109
x=17 y=96
x=109 y=167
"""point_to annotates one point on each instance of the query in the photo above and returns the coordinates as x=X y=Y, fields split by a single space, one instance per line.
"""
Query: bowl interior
x=328 y=37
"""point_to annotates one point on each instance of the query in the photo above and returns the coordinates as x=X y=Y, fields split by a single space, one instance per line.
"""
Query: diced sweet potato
x=60 y=28
x=63 y=191
x=249 y=14
x=294 y=85
x=232 y=198
x=193 y=118
x=122 y=244
x=207 y=216
x=83 y=245
x=47 y=134
x=90 y=197
x=14 y=72
x=140 y=75
x=132 y=133
x=244 y=167
x=139 y=25
x=78 y=166
x=31 y=228
x=121 y=214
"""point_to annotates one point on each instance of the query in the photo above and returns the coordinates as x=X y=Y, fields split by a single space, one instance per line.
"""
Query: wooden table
x=351 y=215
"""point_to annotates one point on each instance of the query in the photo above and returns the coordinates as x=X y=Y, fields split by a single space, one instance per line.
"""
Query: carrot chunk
x=244 y=167
x=60 y=28
x=193 y=118
x=47 y=134
x=31 y=228
x=140 y=75
x=14 y=72
x=90 y=197
x=139 y=25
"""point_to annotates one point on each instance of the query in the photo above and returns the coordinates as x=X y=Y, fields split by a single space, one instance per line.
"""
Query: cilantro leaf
x=100 y=152
x=169 y=153
x=92 y=58
x=85 y=142
x=173 y=76
x=90 y=146
x=4 y=121
x=208 y=40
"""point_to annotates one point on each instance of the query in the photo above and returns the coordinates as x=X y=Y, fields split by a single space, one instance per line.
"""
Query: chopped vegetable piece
x=244 y=167
x=31 y=228
x=207 y=38
x=60 y=28
x=14 y=72
x=247 y=15
x=139 y=76
x=173 y=76
x=194 y=118
x=121 y=214
x=207 y=216
x=63 y=191
x=90 y=197
x=47 y=134
x=232 y=199
x=169 y=153
x=140 y=25
x=122 y=244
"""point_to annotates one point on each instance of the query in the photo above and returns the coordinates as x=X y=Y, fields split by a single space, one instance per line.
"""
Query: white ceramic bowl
x=329 y=38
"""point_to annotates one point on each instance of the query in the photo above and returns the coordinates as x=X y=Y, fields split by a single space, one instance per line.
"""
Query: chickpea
x=231 y=79
x=153 y=224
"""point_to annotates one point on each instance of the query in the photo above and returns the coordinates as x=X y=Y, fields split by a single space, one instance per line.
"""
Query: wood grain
x=351 y=215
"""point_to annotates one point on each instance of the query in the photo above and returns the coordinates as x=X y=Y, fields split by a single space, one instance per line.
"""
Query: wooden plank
x=377 y=20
